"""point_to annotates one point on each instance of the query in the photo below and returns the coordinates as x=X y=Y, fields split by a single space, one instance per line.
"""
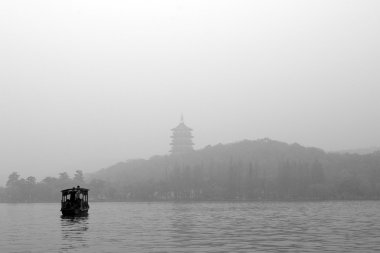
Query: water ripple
x=194 y=227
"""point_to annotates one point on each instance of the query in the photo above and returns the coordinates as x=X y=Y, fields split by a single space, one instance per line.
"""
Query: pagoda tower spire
x=181 y=139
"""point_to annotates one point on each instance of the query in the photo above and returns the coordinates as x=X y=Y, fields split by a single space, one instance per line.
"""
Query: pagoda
x=181 y=139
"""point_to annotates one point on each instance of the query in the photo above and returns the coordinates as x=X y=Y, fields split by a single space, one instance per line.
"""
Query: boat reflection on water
x=74 y=232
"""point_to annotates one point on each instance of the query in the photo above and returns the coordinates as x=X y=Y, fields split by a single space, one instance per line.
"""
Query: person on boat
x=77 y=197
x=72 y=196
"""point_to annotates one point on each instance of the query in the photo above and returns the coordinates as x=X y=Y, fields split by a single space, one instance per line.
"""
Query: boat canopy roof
x=75 y=189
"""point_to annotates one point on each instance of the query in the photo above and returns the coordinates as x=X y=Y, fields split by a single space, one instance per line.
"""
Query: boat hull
x=74 y=212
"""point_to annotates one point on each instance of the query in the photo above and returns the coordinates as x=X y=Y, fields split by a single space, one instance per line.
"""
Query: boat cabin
x=74 y=201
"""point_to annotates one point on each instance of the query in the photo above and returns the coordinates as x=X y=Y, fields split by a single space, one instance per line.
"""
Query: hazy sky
x=85 y=84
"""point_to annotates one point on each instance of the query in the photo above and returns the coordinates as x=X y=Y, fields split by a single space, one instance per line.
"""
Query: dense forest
x=248 y=170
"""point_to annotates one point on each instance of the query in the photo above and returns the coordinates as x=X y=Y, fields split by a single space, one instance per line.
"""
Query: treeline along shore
x=248 y=171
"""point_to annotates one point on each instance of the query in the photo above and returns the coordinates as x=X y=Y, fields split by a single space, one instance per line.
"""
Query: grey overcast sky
x=85 y=84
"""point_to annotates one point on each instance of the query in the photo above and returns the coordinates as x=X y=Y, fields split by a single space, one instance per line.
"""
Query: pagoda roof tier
x=188 y=143
x=182 y=126
x=182 y=135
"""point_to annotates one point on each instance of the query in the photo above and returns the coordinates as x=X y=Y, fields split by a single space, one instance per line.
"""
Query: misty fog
x=87 y=84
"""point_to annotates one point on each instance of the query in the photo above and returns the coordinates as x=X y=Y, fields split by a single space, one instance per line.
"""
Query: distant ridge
x=247 y=170
x=359 y=151
x=265 y=150
x=262 y=169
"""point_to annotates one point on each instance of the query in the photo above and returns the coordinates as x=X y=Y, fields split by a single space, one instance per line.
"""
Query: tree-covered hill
x=248 y=170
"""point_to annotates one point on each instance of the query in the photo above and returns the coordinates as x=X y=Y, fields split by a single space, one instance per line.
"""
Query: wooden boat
x=74 y=201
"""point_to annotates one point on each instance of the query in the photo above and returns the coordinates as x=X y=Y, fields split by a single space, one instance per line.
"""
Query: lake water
x=352 y=226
